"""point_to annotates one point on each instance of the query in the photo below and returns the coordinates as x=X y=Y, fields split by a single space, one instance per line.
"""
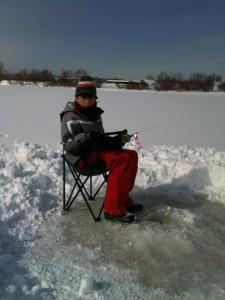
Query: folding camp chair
x=81 y=177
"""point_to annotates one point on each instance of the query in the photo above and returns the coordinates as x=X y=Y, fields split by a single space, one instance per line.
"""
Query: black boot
x=123 y=218
x=135 y=207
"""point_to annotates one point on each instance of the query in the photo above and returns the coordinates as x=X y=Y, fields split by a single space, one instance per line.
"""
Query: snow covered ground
x=176 y=249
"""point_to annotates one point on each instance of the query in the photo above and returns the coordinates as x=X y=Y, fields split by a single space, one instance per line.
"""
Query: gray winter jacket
x=75 y=130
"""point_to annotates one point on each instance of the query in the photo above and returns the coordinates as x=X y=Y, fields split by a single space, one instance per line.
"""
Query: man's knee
x=132 y=155
x=129 y=156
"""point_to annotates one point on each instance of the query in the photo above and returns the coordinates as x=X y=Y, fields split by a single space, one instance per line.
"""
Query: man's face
x=85 y=100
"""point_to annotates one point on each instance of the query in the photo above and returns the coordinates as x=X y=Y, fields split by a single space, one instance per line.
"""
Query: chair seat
x=93 y=169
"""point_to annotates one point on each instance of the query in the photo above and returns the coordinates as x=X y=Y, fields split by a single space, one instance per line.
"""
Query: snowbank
x=40 y=258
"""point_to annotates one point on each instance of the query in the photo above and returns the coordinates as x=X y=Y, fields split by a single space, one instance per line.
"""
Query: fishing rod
x=125 y=137
x=137 y=132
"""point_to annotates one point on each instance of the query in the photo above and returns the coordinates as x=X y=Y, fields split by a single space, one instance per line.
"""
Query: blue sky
x=114 y=38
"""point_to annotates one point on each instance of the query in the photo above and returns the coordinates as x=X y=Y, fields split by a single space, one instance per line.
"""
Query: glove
x=110 y=143
x=101 y=140
x=83 y=149
x=117 y=142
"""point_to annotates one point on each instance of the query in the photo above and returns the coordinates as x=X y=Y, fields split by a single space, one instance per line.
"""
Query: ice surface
x=194 y=119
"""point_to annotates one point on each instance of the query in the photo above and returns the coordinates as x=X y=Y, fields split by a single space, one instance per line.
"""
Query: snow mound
x=195 y=168
x=182 y=190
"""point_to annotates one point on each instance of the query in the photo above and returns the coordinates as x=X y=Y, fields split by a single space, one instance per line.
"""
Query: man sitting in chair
x=84 y=139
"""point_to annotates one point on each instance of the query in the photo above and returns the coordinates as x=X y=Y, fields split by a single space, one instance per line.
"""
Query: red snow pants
x=122 y=166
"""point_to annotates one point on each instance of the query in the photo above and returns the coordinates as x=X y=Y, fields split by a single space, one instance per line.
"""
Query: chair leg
x=64 y=183
x=90 y=196
x=80 y=189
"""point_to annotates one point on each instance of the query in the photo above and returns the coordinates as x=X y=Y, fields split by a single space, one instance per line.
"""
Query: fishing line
x=135 y=135
x=152 y=126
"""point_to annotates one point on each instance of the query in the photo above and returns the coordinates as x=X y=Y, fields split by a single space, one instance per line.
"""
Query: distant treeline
x=162 y=82
x=196 y=82
x=65 y=78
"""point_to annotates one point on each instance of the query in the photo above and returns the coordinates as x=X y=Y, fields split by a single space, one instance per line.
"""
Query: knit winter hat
x=86 y=85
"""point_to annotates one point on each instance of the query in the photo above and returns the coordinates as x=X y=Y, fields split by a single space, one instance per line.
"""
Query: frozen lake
x=194 y=119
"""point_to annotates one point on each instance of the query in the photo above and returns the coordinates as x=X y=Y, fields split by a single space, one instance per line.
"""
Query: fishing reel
x=124 y=136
